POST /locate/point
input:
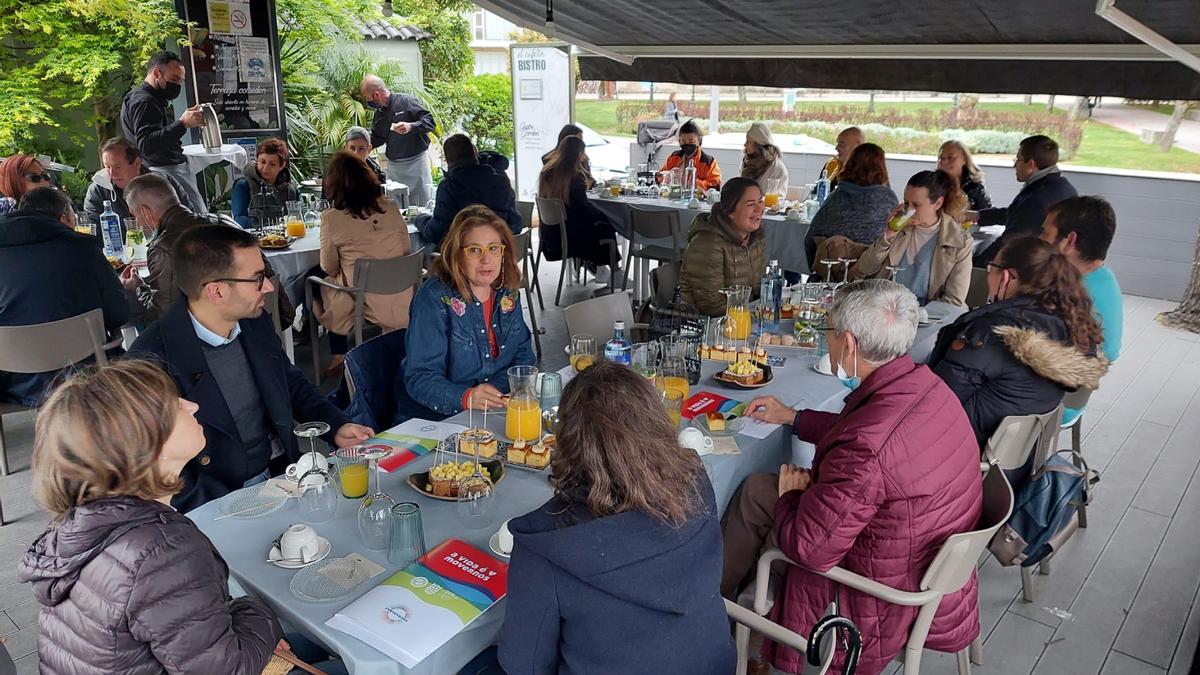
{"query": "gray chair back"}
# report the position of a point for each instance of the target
(551, 212)
(955, 561)
(523, 244)
(655, 224)
(7, 667)
(53, 345)
(595, 317)
(390, 275)
(1018, 436)
(1078, 398)
(663, 280)
(526, 211)
(977, 291)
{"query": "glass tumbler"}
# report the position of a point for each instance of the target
(407, 541)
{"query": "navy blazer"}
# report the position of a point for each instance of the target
(288, 396)
(1024, 216)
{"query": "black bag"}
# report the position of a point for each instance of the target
(1046, 511)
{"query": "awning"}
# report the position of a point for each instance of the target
(1003, 46)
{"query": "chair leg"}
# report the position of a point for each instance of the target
(742, 642)
(537, 337)
(625, 272)
(1027, 584)
(315, 344)
(912, 661)
(964, 662)
(1077, 446)
(562, 275)
(975, 651)
(537, 283)
(3, 451)
(1044, 567)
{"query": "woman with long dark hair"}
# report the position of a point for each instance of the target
(931, 254)
(1036, 340)
(565, 176)
(628, 547)
(362, 223)
(726, 247)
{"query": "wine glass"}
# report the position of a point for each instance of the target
(318, 499)
(893, 270)
(583, 352)
(845, 263)
(476, 493)
(375, 513)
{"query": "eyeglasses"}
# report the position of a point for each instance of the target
(998, 268)
(36, 178)
(493, 251)
(257, 279)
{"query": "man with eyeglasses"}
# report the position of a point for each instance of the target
(226, 358)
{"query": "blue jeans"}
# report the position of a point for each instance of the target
(485, 662)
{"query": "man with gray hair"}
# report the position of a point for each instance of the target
(402, 125)
(896, 472)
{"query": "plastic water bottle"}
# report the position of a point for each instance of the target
(110, 230)
(770, 297)
(618, 349)
(823, 187)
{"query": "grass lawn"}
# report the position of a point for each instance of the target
(1102, 146)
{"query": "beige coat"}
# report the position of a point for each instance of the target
(949, 272)
(345, 239)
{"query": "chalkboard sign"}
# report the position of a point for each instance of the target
(234, 63)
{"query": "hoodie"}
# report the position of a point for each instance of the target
(50, 272)
(715, 258)
(614, 595)
(130, 586)
(1012, 357)
(102, 189)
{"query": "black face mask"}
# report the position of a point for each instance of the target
(172, 90)
(689, 149)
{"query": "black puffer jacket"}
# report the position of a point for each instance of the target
(129, 586)
(1012, 357)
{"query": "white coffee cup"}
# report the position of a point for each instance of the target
(694, 439)
(824, 365)
(307, 462)
(922, 315)
(504, 538)
(299, 543)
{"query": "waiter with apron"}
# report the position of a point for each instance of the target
(403, 124)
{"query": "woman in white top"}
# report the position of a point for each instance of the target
(762, 160)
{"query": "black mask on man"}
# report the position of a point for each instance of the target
(172, 90)
(689, 149)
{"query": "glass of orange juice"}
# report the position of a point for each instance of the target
(673, 400)
(583, 352)
(353, 471)
(523, 420)
(738, 310)
(771, 196)
(673, 375)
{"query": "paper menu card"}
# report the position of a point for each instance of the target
(410, 440)
(706, 401)
(415, 611)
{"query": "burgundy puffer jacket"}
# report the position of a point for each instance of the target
(895, 474)
(130, 587)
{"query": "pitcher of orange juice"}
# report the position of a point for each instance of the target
(523, 420)
(295, 220)
(737, 308)
(771, 198)
(672, 369)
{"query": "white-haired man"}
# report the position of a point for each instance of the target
(402, 126)
(896, 472)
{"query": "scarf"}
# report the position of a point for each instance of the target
(917, 238)
(754, 166)
(1041, 173)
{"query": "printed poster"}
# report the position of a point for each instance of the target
(254, 59)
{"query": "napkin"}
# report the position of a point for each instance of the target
(725, 445)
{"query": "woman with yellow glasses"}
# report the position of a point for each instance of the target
(466, 328)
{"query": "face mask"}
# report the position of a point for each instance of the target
(852, 382)
(374, 106)
(171, 90)
(688, 149)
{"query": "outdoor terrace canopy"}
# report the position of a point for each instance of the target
(997, 46)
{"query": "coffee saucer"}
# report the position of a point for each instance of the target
(275, 557)
(494, 544)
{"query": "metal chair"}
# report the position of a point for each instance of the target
(595, 317)
(796, 193)
(552, 213)
(525, 209)
(977, 291)
(950, 570)
(652, 224)
(818, 663)
(1022, 444)
(383, 277)
(1077, 400)
(47, 347)
(524, 245)
(7, 667)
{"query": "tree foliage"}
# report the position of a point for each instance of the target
(72, 54)
(447, 56)
(480, 107)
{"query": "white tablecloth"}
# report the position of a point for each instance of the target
(199, 157)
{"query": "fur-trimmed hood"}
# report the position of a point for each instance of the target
(1053, 360)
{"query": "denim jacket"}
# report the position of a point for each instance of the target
(447, 347)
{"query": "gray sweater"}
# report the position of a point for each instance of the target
(856, 212)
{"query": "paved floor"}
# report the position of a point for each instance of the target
(1122, 596)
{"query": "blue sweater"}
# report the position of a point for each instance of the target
(621, 594)
(1109, 307)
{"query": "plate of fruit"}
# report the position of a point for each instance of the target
(745, 375)
(441, 481)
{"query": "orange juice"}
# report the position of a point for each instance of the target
(581, 362)
(354, 480)
(771, 200)
(675, 384)
(524, 420)
(740, 316)
(615, 190)
(673, 401)
(295, 228)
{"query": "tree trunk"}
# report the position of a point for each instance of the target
(1028, 99)
(871, 102)
(741, 94)
(1187, 314)
(693, 93)
(652, 92)
(1168, 137)
(1050, 103)
(1077, 106)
